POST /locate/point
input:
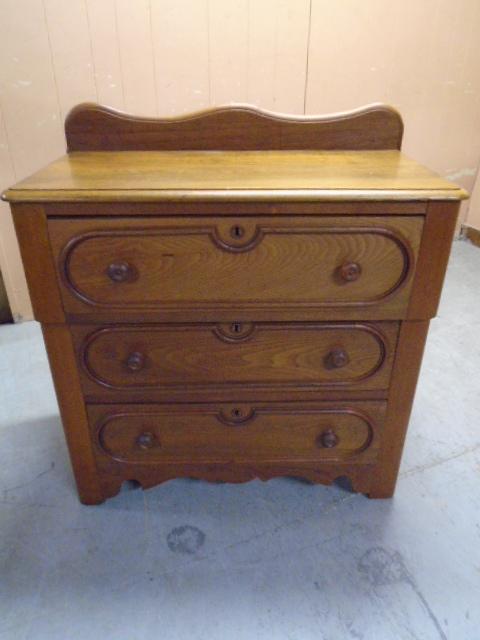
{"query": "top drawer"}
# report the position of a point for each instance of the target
(241, 268)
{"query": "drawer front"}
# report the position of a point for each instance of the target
(235, 356)
(149, 434)
(215, 264)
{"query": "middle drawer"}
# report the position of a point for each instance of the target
(210, 360)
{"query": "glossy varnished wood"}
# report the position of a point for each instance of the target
(235, 294)
(327, 472)
(61, 355)
(205, 267)
(32, 234)
(405, 373)
(239, 358)
(440, 223)
(234, 176)
(239, 127)
(236, 432)
(126, 209)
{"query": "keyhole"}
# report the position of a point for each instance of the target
(236, 327)
(236, 413)
(237, 231)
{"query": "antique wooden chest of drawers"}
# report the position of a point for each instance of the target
(234, 294)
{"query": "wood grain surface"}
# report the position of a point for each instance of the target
(234, 176)
(174, 264)
(411, 344)
(127, 209)
(61, 356)
(150, 434)
(236, 358)
(237, 127)
(439, 230)
(34, 242)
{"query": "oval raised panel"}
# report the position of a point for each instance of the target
(301, 355)
(196, 433)
(273, 264)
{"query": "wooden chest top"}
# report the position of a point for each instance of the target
(234, 175)
(235, 153)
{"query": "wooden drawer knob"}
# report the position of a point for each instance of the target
(350, 271)
(337, 358)
(120, 271)
(135, 361)
(329, 439)
(146, 440)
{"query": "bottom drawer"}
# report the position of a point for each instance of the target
(231, 433)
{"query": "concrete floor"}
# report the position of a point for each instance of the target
(277, 560)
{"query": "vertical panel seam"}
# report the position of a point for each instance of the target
(52, 64)
(309, 32)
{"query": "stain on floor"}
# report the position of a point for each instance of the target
(185, 539)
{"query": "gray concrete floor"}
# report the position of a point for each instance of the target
(276, 560)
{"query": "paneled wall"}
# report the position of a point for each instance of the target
(473, 216)
(163, 57)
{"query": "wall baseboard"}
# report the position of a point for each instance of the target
(470, 233)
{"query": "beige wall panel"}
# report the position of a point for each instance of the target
(443, 128)
(348, 65)
(31, 129)
(277, 54)
(7, 176)
(136, 56)
(28, 95)
(228, 31)
(12, 268)
(173, 56)
(262, 54)
(422, 57)
(67, 24)
(473, 218)
(10, 261)
(102, 22)
(180, 45)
